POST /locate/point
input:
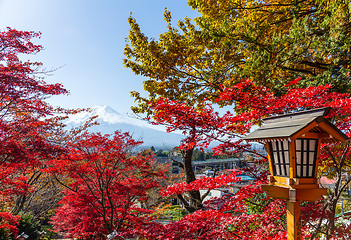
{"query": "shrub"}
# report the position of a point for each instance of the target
(30, 225)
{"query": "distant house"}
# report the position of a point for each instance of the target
(218, 164)
(230, 189)
(245, 180)
(327, 183)
(207, 166)
(219, 192)
(330, 183)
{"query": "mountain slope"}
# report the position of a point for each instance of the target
(110, 120)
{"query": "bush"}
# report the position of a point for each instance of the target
(4, 234)
(176, 212)
(30, 226)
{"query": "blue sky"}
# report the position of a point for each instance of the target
(85, 39)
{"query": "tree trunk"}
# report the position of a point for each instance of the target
(340, 164)
(20, 200)
(194, 202)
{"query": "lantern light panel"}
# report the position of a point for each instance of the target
(306, 155)
(280, 157)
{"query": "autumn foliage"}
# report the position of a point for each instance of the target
(25, 123)
(107, 184)
(256, 58)
(253, 214)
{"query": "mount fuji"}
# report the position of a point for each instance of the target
(110, 120)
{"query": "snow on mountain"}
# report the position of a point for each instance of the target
(106, 114)
(110, 120)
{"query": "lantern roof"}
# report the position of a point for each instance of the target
(300, 124)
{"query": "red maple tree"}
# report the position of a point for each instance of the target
(25, 123)
(106, 182)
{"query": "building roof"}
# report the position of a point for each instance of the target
(296, 124)
(216, 161)
(244, 177)
(327, 181)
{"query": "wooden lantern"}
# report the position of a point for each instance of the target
(293, 149)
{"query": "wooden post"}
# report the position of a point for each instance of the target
(294, 220)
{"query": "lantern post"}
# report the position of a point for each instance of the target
(293, 150)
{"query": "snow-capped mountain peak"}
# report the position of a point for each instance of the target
(105, 114)
(110, 120)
